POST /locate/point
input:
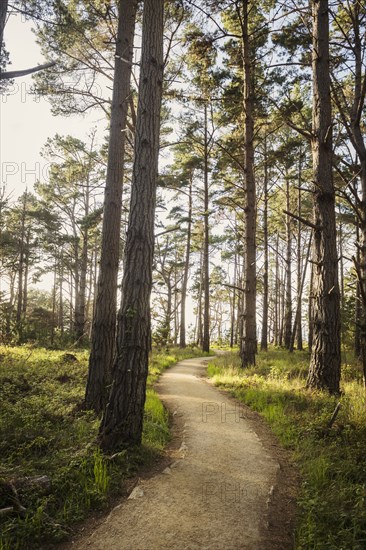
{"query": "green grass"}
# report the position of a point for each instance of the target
(45, 432)
(332, 464)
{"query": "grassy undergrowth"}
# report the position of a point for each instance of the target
(44, 432)
(332, 500)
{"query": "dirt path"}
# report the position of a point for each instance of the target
(219, 489)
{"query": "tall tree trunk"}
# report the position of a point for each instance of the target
(199, 305)
(21, 268)
(358, 307)
(80, 313)
(182, 336)
(206, 257)
(240, 314)
(233, 323)
(249, 343)
(324, 372)
(299, 299)
(288, 294)
(359, 143)
(282, 288)
(311, 309)
(61, 321)
(123, 418)
(104, 321)
(264, 338)
(298, 325)
(3, 12)
(26, 272)
(169, 308)
(54, 296)
(75, 275)
(276, 326)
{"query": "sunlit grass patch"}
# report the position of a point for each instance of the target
(332, 462)
(45, 431)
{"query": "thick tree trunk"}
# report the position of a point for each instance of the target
(123, 418)
(206, 257)
(182, 335)
(324, 372)
(104, 320)
(249, 338)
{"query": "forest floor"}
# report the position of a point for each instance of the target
(225, 482)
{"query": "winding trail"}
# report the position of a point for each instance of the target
(217, 491)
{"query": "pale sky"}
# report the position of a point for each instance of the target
(25, 120)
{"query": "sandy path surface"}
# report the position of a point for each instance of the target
(215, 494)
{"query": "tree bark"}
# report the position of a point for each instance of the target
(123, 418)
(206, 256)
(3, 12)
(249, 338)
(324, 372)
(104, 320)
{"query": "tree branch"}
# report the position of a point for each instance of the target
(16, 74)
(302, 220)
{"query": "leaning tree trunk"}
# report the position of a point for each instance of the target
(249, 338)
(104, 320)
(324, 372)
(123, 418)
